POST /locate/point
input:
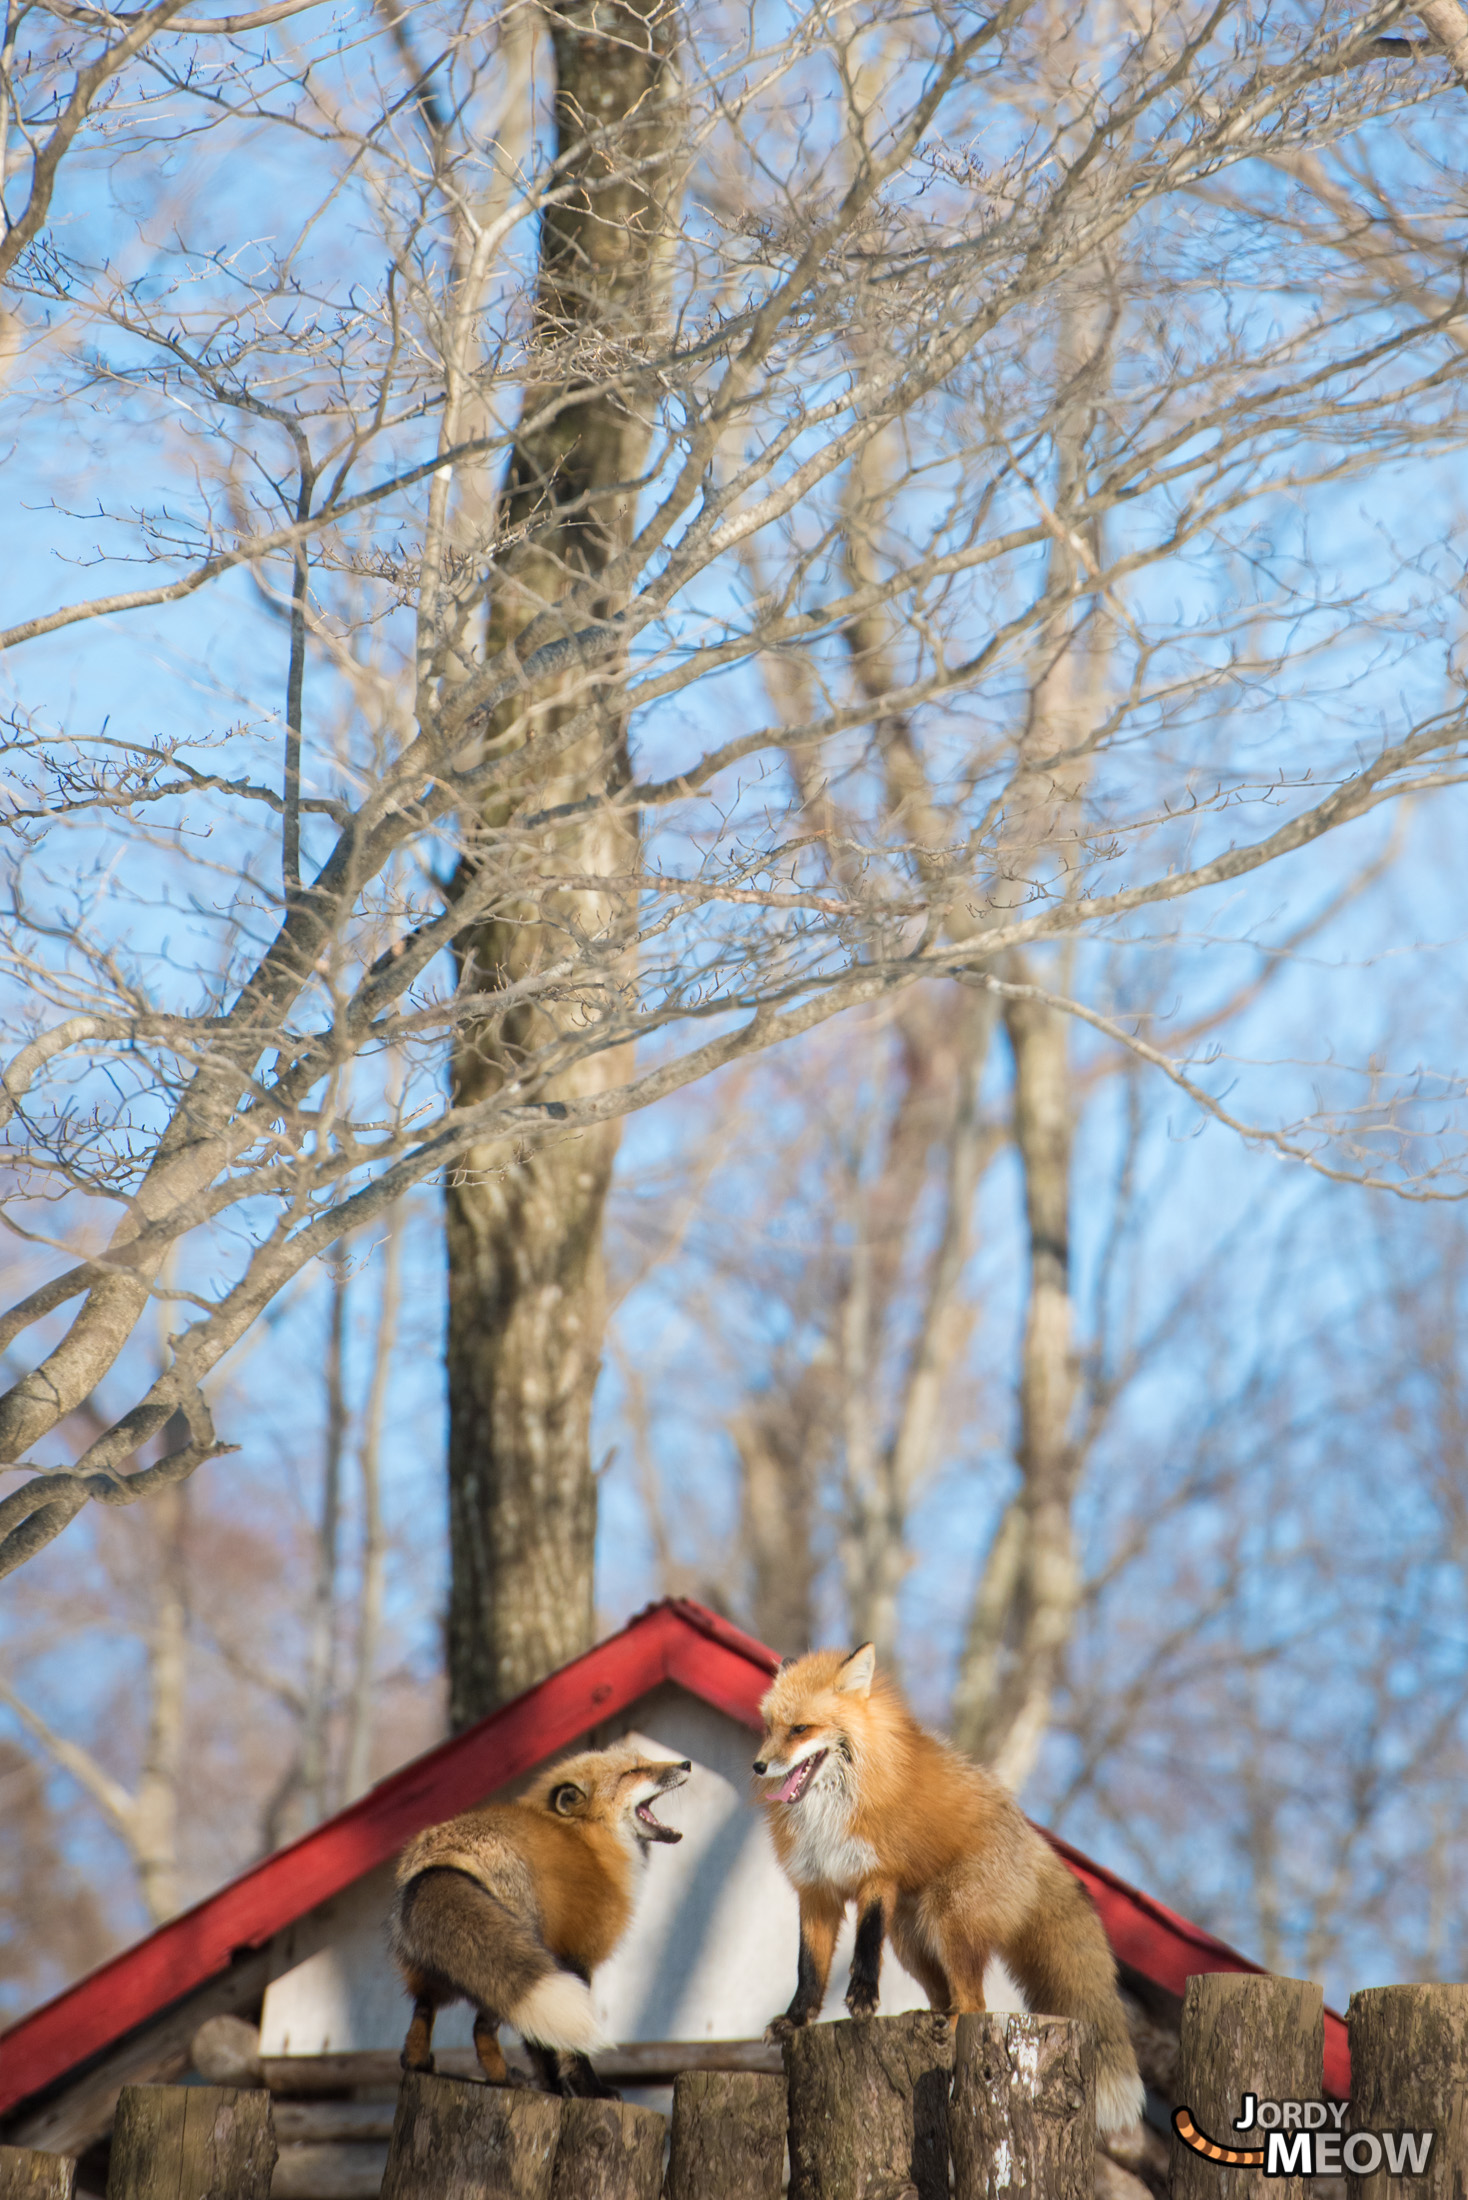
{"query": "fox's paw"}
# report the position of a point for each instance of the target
(422, 2068)
(783, 2028)
(861, 2001)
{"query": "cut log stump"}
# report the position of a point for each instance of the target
(728, 2137)
(1244, 2034)
(869, 2109)
(608, 2151)
(191, 2142)
(1022, 2122)
(1409, 2073)
(27, 2174)
(458, 2141)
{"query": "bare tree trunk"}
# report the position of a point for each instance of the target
(881, 1499)
(358, 1763)
(527, 1294)
(783, 1440)
(1048, 1459)
(321, 1651)
(155, 1806)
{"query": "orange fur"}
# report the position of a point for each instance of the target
(513, 1907)
(935, 1854)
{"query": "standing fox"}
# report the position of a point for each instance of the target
(866, 1806)
(514, 1906)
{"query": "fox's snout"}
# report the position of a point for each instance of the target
(659, 1779)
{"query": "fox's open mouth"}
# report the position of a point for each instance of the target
(654, 1827)
(795, 1783)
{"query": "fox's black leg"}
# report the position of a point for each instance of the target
(865, 1989)
(545, 2062)
(418, 2046)
(581, 2083)
(820, 1922)
(568, 2074)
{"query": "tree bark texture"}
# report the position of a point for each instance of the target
(1031, 1583)
(869, 2109)
(1022, 2121)
(527, 1300)
(460, 2141)
(1409, 2071)
(155, 1809)
(728, 2136)
(1244, 2035)
(782, 1439)
(27, 2174)
(191, 2142)
(608, 2151)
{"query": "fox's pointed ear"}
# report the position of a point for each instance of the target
(854, 1678)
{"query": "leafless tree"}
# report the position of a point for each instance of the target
(547, 425)
(159, 1669)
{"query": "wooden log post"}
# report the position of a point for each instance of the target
(27, 2174)
(1243, 2034)
(869, 2109)
(608, 2151)
(1022, 2121)
(191, 2142)
(1409, 2072)
(728, 2137)
(458, 2141)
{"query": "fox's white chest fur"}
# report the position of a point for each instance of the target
(826, 1850)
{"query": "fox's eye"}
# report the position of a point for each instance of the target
(565, 1798)
(798, 1730)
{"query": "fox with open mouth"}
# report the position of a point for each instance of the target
(866, 1807)
(513, 1907)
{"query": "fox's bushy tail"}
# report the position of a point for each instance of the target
(454, 1942)
(1063, 1961)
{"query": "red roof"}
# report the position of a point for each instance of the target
(676, 1640)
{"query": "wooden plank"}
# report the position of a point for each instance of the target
(350, 2171)
(608, 2150)
(1243, 2035)
(640, 2062)
(323, 2123)
(191, 2142)
(470, 2142)
(869, 2108)
(728, 2136)
(1022, 2120)
(28, 2174)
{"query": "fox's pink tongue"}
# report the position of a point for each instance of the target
(791, 1788)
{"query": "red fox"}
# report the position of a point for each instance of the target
(866, 1806)
(513, 1907)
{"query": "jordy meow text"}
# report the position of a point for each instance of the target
(1306, 2139)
